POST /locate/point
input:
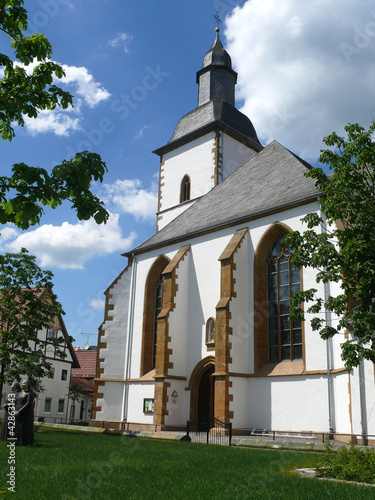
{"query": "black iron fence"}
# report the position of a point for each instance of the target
(209, 430)
(62, 420)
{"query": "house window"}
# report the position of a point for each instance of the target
(51, 333)
(210, 331)
(185, 189)
(52, 372)
(60, 408)
(285, 337)
(64, 374)
(47, 405)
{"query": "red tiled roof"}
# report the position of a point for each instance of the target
(84, 384)
(87, 363)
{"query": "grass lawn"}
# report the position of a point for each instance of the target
(66, 466)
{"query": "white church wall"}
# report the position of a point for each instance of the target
(178, 407)
(288, 403)
(356, 401)
(363, 407)
(111, 403)
(137, 393)
(204, 291)
(172, 213)
(194, 159)
(242, 337)
(115, 329)
(178, 320)
(341, 401)
(239, 405)
(234, 154)
(337, 361)
(369, 377)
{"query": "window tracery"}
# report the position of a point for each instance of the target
(285, 337)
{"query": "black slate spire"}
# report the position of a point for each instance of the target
(215, 108)
(216, 79)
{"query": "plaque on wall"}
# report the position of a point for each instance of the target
(148, 406)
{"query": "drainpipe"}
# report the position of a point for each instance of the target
(362, 401)
(128, 351)
(327, 315)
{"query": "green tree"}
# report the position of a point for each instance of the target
(25, 90)
(339, 244)
(27, 308)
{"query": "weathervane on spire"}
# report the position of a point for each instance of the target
(218, 20)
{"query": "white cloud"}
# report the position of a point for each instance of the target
(97, 304)
(128, 196)
(81, 84)
(121, 40)
(139, 134)
(306, 68)
(7, 233)
(56, 122)
(70, 246)
(91, 91)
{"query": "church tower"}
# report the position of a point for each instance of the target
(209, 143)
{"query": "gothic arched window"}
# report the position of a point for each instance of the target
(185, 189)
(152, 306)
(158, 308)
(285, 337)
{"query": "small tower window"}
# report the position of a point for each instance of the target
(185, 189)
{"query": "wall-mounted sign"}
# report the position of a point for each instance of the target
(148, 406)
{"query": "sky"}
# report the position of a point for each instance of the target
(305, 68)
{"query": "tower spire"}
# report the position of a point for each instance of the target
(216, 79)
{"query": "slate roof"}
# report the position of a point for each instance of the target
(217, 55)
(219, 112)
(271, 180)
(214, 114)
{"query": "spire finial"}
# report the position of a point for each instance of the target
(218, 21)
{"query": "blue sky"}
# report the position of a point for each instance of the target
(306, 68)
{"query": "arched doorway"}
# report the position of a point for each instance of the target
(206, 394)
(201, 386)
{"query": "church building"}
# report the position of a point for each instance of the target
(197, 324)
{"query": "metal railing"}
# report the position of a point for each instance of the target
(62, 420)
(209, 430)
(312, 435)
(213, 431)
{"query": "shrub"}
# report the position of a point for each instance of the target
(349, 463)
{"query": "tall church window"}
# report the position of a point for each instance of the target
(158, 308)
(185, 189)
(152, 307)
(285, 337)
